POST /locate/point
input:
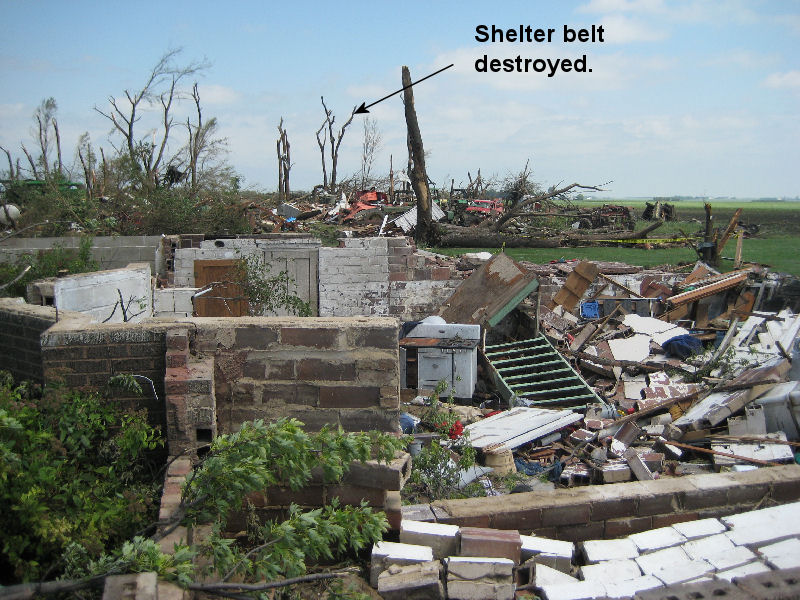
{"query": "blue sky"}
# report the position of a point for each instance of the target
(688, 97)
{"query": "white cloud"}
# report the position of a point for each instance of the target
(620, 29)
(787, 80)
(217, 94)
(742, 58)
(610, 6)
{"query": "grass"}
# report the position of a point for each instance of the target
(777, 244)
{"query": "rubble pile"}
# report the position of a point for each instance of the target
(617, 374)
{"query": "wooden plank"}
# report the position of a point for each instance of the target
(226, 299)
(575, 286)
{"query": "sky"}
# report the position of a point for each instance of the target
(684, 97)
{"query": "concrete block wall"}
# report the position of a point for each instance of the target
(173, 302)
(620, 509)
(97, 294)
(321, 371)
(111, 252)
(21, 326)
(381, 276)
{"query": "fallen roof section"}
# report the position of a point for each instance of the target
(490, 293)
(511, 429)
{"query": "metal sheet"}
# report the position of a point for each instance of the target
(513, 428)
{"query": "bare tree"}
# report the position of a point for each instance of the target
(370, 145)
(13, 172)
(45, 117)
(331, 142)
(204, 151)
(88, 161)
(284, 162)
(161, 89)
(416, 161)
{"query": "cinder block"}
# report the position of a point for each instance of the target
(385, 554)
(533, 546)
(700, 528)
(478, 541)
(681, 572)
(136, 586)
(581, 590)
(760, 527)
(630, 587)
(752, 568)
(783, 555)
(655, 561)
(545, 575)
(609, 571)
(773, 585)
(479, 578)
(596, 551)
(740, 555)
(709, 546)
(443, 539)
(412, 582)
(657, 539)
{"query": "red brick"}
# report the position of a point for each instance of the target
(315, 369)
(254, 369)
(495, 543)
(176, 386)
(578, 533)
(667, 520)
(621, 527)
(522, 519)
(310, 495)
(255, 337)
(177, 340)
(280, 369)
(310, 338)
(349, 397)
(568, 514)
(613, 508)
(786, 491)
(353, 495)
(441, 273)
(398, 276)
(176, 360)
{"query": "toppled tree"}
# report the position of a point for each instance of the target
(424, 232)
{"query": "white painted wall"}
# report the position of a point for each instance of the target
(98, 294)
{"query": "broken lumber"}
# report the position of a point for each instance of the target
(756, 461)
(653, 409)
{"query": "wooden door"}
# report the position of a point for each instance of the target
(225, 299)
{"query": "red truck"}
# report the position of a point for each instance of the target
(486, 207)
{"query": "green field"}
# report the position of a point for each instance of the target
(776, 245)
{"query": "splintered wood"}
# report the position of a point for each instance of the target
(576, 285)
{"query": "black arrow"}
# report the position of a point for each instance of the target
(364, 109)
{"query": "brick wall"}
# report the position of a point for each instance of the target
(620, 509)
(321, 371)
(381, 276)
(85, 355)
(21, 326)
